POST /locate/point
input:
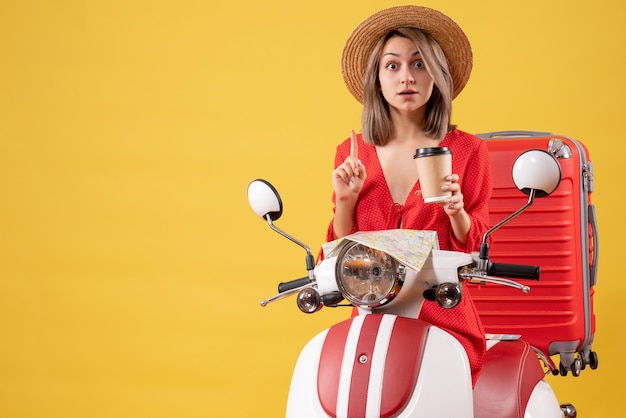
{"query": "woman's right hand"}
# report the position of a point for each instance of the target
(348, 178)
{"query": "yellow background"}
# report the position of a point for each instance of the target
(131, 266)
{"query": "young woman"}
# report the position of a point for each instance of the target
(406, 64)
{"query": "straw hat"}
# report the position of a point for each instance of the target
(364, 37)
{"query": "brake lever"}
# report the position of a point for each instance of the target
(475, 278)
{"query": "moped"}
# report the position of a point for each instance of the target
(384, 361)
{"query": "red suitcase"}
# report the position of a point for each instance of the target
(559, 233)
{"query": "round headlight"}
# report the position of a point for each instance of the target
(368, 277)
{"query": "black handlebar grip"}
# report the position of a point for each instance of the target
(514, 271)
(292, 284)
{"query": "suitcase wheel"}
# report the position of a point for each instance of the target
(593, 360)
(584, 359)
(579, 362)
(575, 367)
(590, 358)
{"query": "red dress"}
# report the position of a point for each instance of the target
(375, 210)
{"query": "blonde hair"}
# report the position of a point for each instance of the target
(377, 126)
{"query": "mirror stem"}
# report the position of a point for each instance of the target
(484, 247)
(310, 261)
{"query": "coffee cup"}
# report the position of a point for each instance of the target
(433, 166)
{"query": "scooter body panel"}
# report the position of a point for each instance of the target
(383, 380)
(543, 403)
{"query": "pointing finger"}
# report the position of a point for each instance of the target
(354, 146)
(354, 151)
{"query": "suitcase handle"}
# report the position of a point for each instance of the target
(512, 134)
(593, 268)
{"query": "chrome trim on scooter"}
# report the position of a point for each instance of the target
(569, 411)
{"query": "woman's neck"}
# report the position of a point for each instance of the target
(408, 126)
(408, 133)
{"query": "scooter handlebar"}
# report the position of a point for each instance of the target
(514, 271)
(293, 284)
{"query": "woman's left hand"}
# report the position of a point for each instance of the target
(454, 204)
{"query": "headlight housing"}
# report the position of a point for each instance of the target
(368, 277)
